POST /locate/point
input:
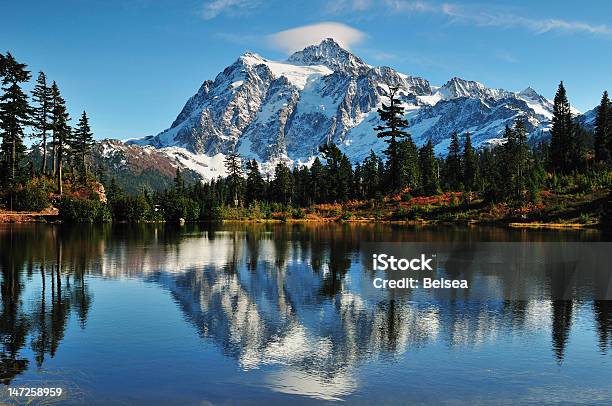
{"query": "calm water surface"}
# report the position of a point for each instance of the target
(277, 314)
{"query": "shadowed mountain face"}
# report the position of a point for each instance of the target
(274, 110)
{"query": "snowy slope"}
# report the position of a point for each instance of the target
(270, 110)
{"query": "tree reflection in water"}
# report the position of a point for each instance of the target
(46, 253)
(291, 295)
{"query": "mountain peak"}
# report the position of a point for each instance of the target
(330, 42)
(329, 53)
(251, 58)
(270, 110)
(530, 92)
(457, 81)
(457, 87)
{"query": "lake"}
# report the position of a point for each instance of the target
(278, 314)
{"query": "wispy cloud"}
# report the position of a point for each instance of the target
(505, 56)
(215, 8)
(300, 37)
(339, 6)
(477, 16)
(509, 20)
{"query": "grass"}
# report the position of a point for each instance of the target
(556, 210)
(566, 208)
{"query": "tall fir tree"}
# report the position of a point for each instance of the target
(179, 182)
(301, 176)
(81, 144)
(506, 165)
(603, 131)
(317, 182)
(114, 192)
(393, 129)
(233, 165)
(357, 187)
(41, 115)
(255, 184)
(14, 117)
(382, 177)
(514, 165)
(523, 159)
(409, 163)
(345, 179)
(371, 176)
(489, 166)
(470, 164)
(430, 182)
(61, 134)
(282, 185)
(561, 133)
(333, 157)
(579, 147)
(453, 163)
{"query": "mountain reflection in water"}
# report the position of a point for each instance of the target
(294, 298)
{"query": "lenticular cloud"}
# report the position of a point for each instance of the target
(299, 38)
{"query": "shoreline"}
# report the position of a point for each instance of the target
(52, 217)
(471, 222)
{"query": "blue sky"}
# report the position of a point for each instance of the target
(132, 64)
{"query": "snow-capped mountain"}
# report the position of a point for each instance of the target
(271, 110)
(587, 120)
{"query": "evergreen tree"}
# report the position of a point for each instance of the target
(41, 115)
(357, 188)
(523, 159)
(506, 164)
(409, 163)
(382, 176)
(345, 179)
(490, 167)
(581, 140)
(114, 191)
(179, 183)
(61, 133)
(561, 133)
(282, 185)
(430, 184)
(301, 180)
(81, 144)
(603, 130)
(537, 176)
(233, 165)
(255, 184)
(14, 116)
(470, 165)
(453, 163)
(333, 157)
(317, 182)
(392, 115)
(371, 178)
(515, 163)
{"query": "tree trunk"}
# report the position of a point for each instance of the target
(43, 165)
(13, 159)
(85, 169)
(54, 156)
(59, 177)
